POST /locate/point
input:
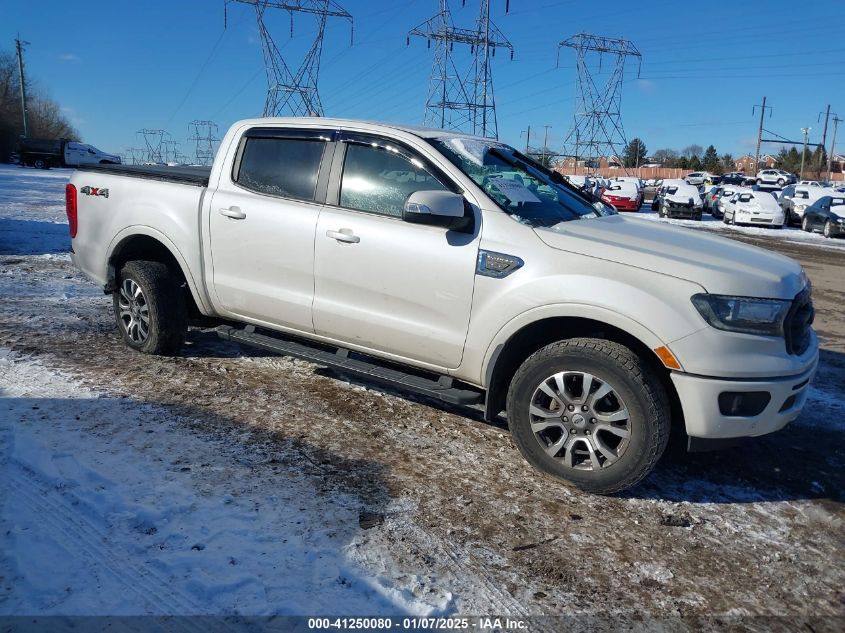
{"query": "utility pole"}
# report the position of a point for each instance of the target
(806, 132)
(760, 131)
(836, 121)
(545, 143)
(527, 138)
(824, 134)
(19, 46)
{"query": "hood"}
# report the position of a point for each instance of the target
(719, 265)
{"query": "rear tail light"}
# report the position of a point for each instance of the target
(70, 208)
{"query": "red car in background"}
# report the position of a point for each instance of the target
(623, 196)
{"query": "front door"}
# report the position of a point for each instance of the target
(262, 221)
(380, 282)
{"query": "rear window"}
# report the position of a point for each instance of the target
(281, 167)
(671, 190)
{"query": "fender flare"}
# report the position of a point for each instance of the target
(139, 229)
(573, 310)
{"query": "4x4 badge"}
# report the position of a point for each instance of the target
(94, 191)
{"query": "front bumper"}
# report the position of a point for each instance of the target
(682, 211)
(625, 205)
(699, 398)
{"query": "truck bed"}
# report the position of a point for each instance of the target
(197, 176)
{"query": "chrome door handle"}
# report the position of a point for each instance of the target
(343, 235)
(233, 212)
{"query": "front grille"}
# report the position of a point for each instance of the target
(797, 326)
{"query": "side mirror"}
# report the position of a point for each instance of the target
(438, 208)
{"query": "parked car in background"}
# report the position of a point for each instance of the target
(812, 183)
(775, 178)
(802, 197)
(827, 214)
(757, 208)
(45, 153)
(733, 178)
(699, 178)
(726, 192)
(623, 195)
(677, 199)
(711, 199)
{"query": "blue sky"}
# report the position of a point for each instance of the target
(119, 66)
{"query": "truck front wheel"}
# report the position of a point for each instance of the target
(590, 412)
(149, 306)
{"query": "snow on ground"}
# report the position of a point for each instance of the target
(144, 526)
(789, 235)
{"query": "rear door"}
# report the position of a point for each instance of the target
(261, 224)
(382, 283)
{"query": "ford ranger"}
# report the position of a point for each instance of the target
(457, 267)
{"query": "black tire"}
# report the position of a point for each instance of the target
(826, 231)
(639, 389)
(40, 163)
(805, 224)
(781, 182)
(164, 300)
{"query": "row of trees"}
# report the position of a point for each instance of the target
(695, 158)
(692, 157)
(44, 116)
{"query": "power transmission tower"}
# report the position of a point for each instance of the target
(462, 100)
(153, 143)
(20, 45)
(204, 136)
(291, 92)
(171, 151)
(597, 121)
(132, 155)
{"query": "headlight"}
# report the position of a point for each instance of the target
(748, 315)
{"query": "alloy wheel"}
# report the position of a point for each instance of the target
(134, 312)
(580, 420)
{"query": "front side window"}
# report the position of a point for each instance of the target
(281, 167)
(378, 178)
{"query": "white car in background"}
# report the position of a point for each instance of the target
(810, 183)
(775, 177)
(698, 178)
(725, 195)
(677, 199)
(755, 208)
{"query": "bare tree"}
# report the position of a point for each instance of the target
(45, 117)
(691, 150)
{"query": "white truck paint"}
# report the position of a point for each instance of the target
(532, 264)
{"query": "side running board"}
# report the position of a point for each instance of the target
(441, 388)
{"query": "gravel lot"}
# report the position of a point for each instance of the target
(450, 516)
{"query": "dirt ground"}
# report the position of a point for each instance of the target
(755, 530)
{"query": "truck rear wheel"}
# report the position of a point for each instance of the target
(589, 412)
(149, 307)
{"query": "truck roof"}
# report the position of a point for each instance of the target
(375, 126)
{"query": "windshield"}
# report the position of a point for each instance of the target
(522, 189)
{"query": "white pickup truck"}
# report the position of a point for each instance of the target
(456, 267)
